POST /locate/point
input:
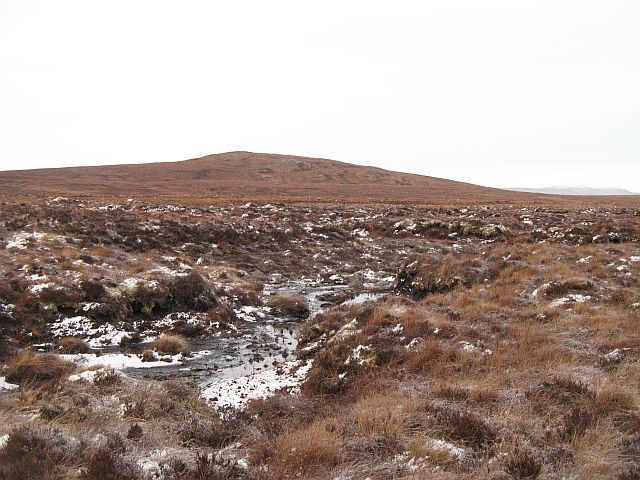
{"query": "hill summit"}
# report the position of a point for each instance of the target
(247, 176)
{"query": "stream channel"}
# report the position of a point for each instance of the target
(257, 345)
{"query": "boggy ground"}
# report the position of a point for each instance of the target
(504, 344)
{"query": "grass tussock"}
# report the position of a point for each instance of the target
(289, 305)
(172, 344)
(304, 452)
(31, 367)
(73, 345)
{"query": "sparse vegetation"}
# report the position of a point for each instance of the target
(30, 367)
(500, 350)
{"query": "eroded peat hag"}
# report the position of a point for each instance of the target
(318, 341)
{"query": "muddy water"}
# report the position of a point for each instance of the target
(257, 346)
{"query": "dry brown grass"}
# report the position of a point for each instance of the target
(73, 345)
(30, 367)
(481, 366)
(172, 344)
(68, 253)
(289, 305)
(598, 455)
(305, 452)
(533, 384)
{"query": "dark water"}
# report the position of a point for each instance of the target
(256, 346)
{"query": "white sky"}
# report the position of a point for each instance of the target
(501, 93)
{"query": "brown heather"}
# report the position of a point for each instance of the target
(495, 355)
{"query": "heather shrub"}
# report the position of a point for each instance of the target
(523, 465)
(465, 427)
(50, 411)
(34, 453)
(134, 432)
(93, 290)
(107, 462)
(207, 432)
(421, 276)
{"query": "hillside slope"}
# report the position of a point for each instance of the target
(251, 176)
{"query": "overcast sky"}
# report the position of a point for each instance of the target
(500, 93)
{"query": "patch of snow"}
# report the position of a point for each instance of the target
(36, 277)
(79, 326)
(357, 356)
(148, 466)
(90, 375)
(5, 386)
(249, 313)
(614, 356)
(172, 273)
(172, 318)
(237, 392)
(7, 308)
(534, 294)
(38, 287)
(313, 345)
(121, 361)
(406, 461)
(571, 298)
(130, 283)
(20, 241)
(89, 306)
(444, 446)
(471, 348)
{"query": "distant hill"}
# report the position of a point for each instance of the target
(246, 176)
(576, 190)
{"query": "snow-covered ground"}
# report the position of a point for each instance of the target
(90, 375)
(83, 327)
(237, 392)
(4, 385)
(571, 298)
(121, 361)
